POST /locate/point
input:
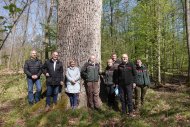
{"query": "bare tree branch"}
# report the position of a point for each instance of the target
(14, 23)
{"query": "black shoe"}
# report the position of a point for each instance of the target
(31, 103)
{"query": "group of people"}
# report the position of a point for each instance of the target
(119, 75)
(131, 79)
(53, 71)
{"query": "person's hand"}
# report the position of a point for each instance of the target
(73, 82)
(34, 76)
(47, 74)
(134, 85)
(62, 83)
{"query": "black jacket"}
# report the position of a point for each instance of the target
(55, 76)
(126, 73)
(90, 72)
(33, 67)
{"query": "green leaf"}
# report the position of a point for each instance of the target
(1, 17)
(6, 7)
(18, 10)
(12, 8)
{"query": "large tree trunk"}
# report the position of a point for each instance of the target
(79, 33)
(187, 11)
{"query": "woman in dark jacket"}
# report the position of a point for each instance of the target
(142, 83)
(109, 82)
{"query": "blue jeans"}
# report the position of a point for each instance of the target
(31, 83)
(73, 99)
(52, 90)
(126, 90)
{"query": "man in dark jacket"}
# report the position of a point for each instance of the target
(53, 70)
(142, 81)
(116, 61)
(126, 80)
(90, 73)
(32, 69)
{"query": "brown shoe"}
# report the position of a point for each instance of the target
(47, 109)
(54, 105)
(131, 115)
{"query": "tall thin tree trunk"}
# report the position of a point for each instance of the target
(159, 43)
(111, 25)
(79, 33)
(187, 12)
(47, 25)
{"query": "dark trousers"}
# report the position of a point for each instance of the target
(111, 94)
(126, 93)
(73, 99)
(52, 90)
(140, 91)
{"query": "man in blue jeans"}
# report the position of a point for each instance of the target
(53, 70)
(33, 70)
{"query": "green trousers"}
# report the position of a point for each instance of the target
(140, 91)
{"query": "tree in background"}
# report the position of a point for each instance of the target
(187, 21)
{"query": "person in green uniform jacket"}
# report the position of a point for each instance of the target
(142, 83)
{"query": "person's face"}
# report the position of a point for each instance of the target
(114, 57)
(72, 64)
(92, 59)
(33, 54)
(55, 56)
(125, 58)
(139, 63)
(110, 63)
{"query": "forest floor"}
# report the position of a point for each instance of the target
(167, 106)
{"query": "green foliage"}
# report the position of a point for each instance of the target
(136, 32)
(12, 8)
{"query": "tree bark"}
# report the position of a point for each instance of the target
(79, 33)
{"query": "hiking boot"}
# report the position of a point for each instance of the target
(47, 109)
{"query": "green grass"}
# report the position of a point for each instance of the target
(161, 109)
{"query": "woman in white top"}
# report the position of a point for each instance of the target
(73, 83)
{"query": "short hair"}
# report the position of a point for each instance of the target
(109, 60)
(113, 54)
(54, 52)
(71, 61)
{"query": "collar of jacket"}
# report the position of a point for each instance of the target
(141, 67)
(72, 68)
(53, 61)
(124, 63)
(110, 68)
(32, 59)
(92, 63)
